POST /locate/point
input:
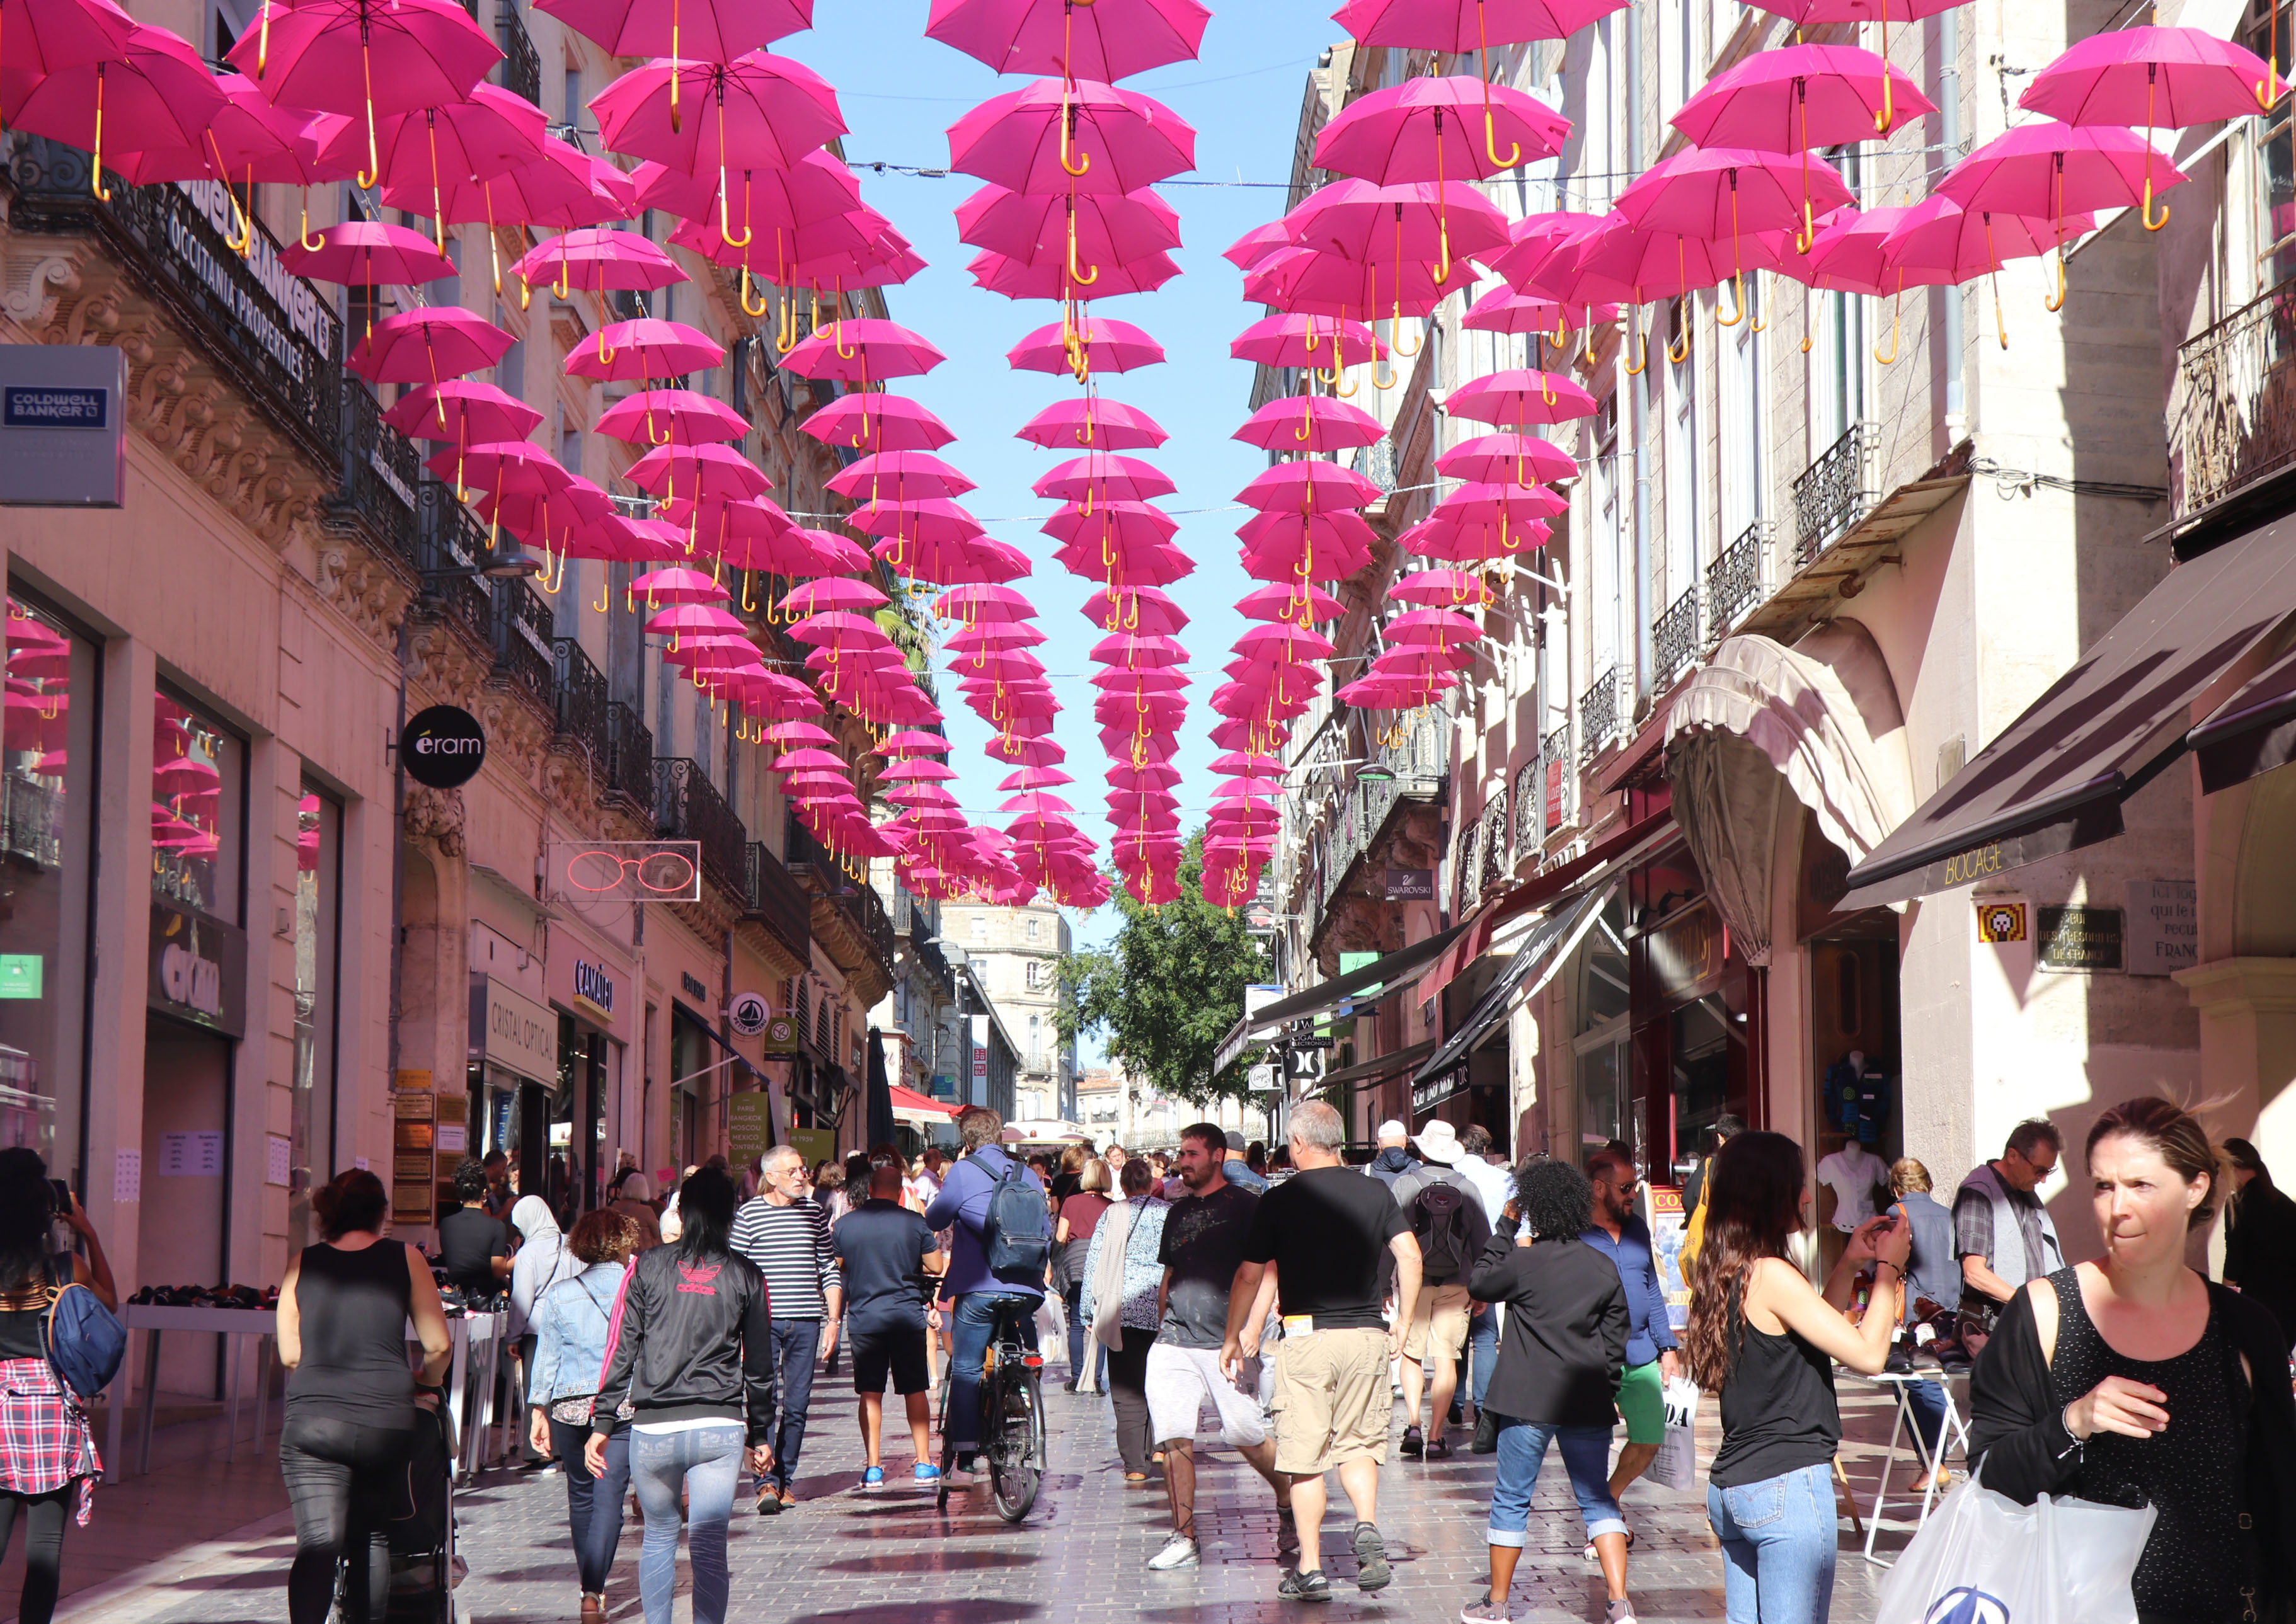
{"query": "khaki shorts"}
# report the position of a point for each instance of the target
(1446, 1312)
(1332, 1403)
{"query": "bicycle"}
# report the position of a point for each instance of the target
(1011, 1436)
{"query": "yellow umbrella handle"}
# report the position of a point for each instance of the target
(2152, 71)
(96, 168)
(1067, 133)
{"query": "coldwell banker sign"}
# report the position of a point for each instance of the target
(61, 444)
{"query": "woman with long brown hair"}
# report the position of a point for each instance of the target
(1762, 1339)
(2132, 1381)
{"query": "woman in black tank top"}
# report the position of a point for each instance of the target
(2132, 1381)
(1764, 1340)
(343, 1310)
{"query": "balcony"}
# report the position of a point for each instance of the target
(1834, 492)
(1736, 579)
(1675, 641)
(630, 759)
(687, 807)
(522, 65)
(935, 963)
(450, 537)
(382, 471)
(778, 902)
(2232, 408)
(524, 651)
(1554, 780)
(1405, 768)
(1530, 827)
(1376, 463)
(849, 918)
(1600, 723)
(580, 690)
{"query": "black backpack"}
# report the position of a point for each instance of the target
(1438, 1217)
(1016, 1239)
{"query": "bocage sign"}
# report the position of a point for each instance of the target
(443, 747)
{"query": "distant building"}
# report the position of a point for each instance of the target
(1015, 953)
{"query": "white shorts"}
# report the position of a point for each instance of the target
(1179, 1381)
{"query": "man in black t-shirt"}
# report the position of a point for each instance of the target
(886, 1252)
(473, 1247)
(1316, 1245)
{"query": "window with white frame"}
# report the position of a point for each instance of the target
(2274, 185)
(1684, 490)
(1740, 421)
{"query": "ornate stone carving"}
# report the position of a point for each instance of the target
(434, 817)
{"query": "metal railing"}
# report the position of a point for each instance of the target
(580, 690)
(2231, 418)
(1675, 643)
(523, 651)
(453, 538)
(1834, 492)
(1555, 770)
(776, 898)
(1376, 463)
(1497, 858)
(629, 758)
(935, 963)
(1412, 763)
(382, 472)
(1598, 715)
(1529, 829)
(687, 807)
(1736, 579)
(28, 822)
(520, 70)
(854, 895)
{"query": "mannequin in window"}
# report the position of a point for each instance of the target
(1852, 1187)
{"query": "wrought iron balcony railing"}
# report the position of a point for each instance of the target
(522, 65)
(776, 898)
(1675, 643)
(1529, 829)
(523, 651)
(936, 966)
(1554, 780)
(1834, 492)
(382, 472)
(451, 537)
(2232, 407)
(580, 691)
(849, 891)
(1599, 717)
(687, 807)
(1736, 579)
(629, 758)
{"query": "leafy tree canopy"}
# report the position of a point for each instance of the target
(1167, 989)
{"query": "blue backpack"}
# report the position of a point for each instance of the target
(1016, 1239)
(85, 1342)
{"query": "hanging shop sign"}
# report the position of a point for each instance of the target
(443, 747)
(1410, 885)
(748, 1014)
(512, 1032)
(62, 440)
(781, 1035)
(1436, 1089)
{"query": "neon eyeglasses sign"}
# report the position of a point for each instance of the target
(625, 870)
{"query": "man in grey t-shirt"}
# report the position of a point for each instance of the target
(1203, 1248)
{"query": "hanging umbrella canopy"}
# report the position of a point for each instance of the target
(817, 597)
(817, 187)
(1303, 604)
(645, 347)
(775, 249)
(1518, 396)
(1310, 488)
(461, 411)
(976, 605)
(1053, 138)
(1850, 256)
(928, 519)
(1501, 498)
(427, 345)
(864, 348)
(491, 133)
(757, 111)
(1307, 282)
(1409, 220)
(1441, 626)
(362, 253)
(2051, 171)
(1114, 523)
(878, 423)
(1538, 241)
(1504, 310)
(1473, 540)
(2157, 78)
(1151, 565)
(1442, 589)
(1460, 26)
(898, 475)
(1936, 241)
(1291, 644)
(840, 628)
(912, 741)
(564, 188)
(1147, 611)
(1520, 459)
(1248, 250)
(678, 585)
(1089, 421)
(1104, 476)
(1098, 229)
(1634, 267)
(704, 472)
(1721, 192)
(1300, 422)
(1304, 340)
(657, 417)
(1798, 97)
(1133, 652)
(1338, 531)
(976, 639)
(1055, 278)
(711, 30)
(955, 562)
(1449, 128)
(1107, 346)
(246, 141)
(1095, 41)
(38, 38)
(598, 257)
(151, 92)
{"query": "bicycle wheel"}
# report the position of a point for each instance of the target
(1017, 1466)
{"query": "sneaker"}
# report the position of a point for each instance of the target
(873, 1478)
(927, 1476)
(788, 1496)
(1287, 1538)
(1487, 1434)
(1438, 1448)
(1485, 1611)
(1620, 1613)
(769, 1504)
(961, 1477)
(1180, 1552)
(1371, 1571)
(1414, 1444)
(1309, 1587)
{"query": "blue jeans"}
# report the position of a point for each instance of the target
(1925, 1400)
(976, 1317)
(593, 1505)
(796, 1341)
(1079, 1335)
(705, 1461)
(1778, 1545)
(1482, 1352)
(1522, 1450)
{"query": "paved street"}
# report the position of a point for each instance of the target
(843, 1556)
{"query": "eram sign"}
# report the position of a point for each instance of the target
(443, 747)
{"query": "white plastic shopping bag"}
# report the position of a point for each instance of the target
(1983, 1559)
(1677, 1463)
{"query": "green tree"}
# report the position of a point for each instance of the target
(1167, 989)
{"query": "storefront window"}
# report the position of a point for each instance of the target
(318, 893)
(1602, 1029)
(46, 816)
(198, 785)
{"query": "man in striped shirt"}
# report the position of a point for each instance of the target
(787, 1237)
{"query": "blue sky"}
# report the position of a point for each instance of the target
(900, 91)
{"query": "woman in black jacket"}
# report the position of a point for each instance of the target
(1557, 1379)
(2259, 1257)
(690, 1369)
(2133, 1380)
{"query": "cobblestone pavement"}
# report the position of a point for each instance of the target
(843, 1557)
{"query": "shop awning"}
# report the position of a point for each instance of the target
(1377, 1070)
(914, 1107)
(2055, 778)
(2252, 732)
(1369, 977)
(1551, 941)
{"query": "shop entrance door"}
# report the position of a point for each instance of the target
(1855, 1053)
(180, 1227)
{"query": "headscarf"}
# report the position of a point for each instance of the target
(542, 1262)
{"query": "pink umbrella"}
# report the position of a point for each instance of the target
(1410, 220)
(1054, 137)
(1279, 546)
(1082, 233)
(878, 422)
(1303, 603)
(698, 473)
(1104, 476)
(2051, 171)
(1633, 267)
(1305, 281)
(361, 253)
(367, 57)
(1936, 241)
(462, 411)
(1518, 398)
(1300, 422)
(655, 417)
(1310, 487)
(1135, 653)
(490, 133)
(948, 562)
(1088, 420)
(1094, 343)
(898, 475)
(977, 605)
(817, 187)
(1112, 524)
(932, 519)
(646, 348)
(1542, 241)
(1441, 588)
(1504, 310)
(248, 140)
(1721, 193)
(1798, 97)
(815, 596)
(1438, 129)
(1466, 25)
(1472, 541)
(1500, 499)
(1147, 611)
(1803, 14)
(597, 258)
(757, 111)
(154, 89)
(711, 30)
(1054, 278)
(1304, 341)
(677, 585)
(565, 188)
(1093, 41)
(1518, 459)
(861, 349)
(44, 37)
(2158, 77)
(1151, 565)
(425, 345)
(1246, 253)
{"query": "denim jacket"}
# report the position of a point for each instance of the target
(571, 1318)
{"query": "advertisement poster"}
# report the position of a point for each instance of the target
(1665, 1227)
